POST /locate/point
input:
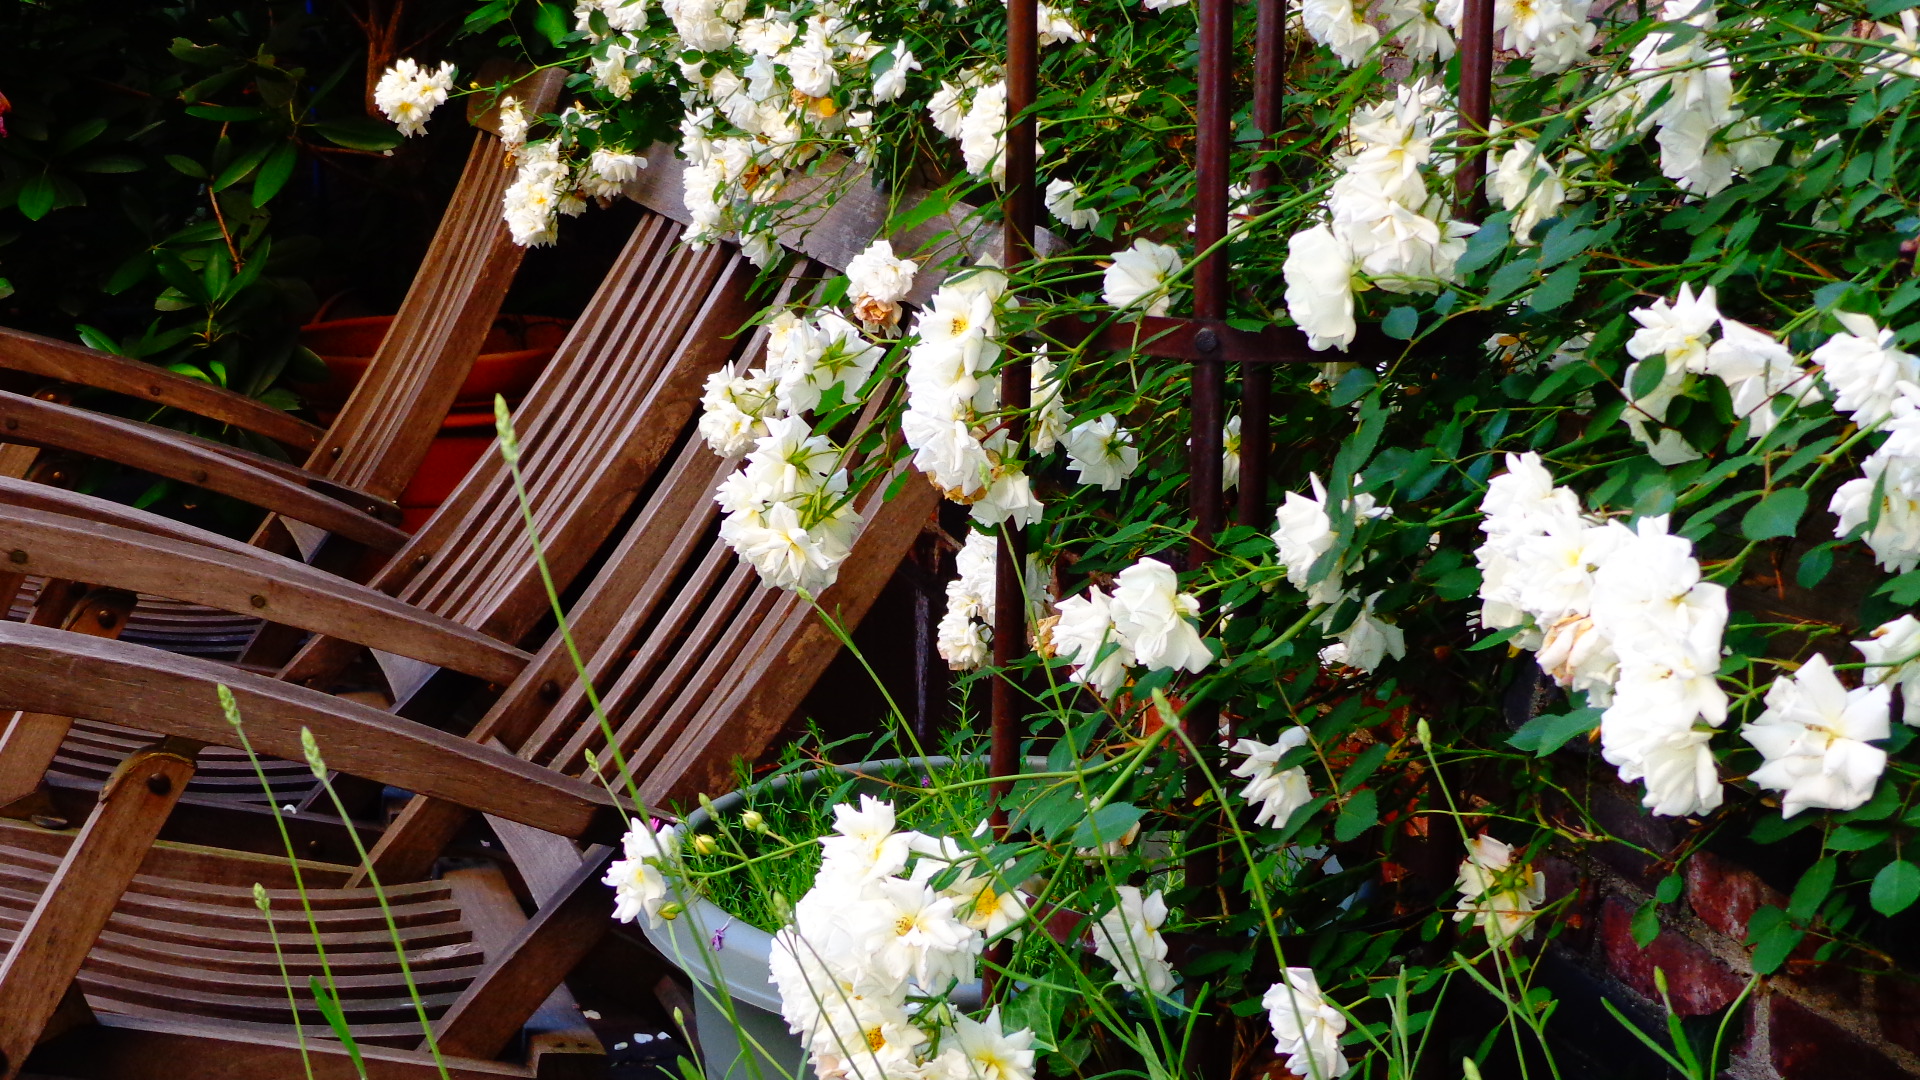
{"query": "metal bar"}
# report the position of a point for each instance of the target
(1256, 380)
(1476, 107)
(1209, 390)
(1022, 213)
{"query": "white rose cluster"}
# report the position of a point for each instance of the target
(1815, 735)
(1306, 1027)
(1127, 935)
(1496, 895)
(872, 933)
(1555, 34)
(788, 510)
(1146, 621)
(1704, 139)
(1619, 613)
(965, 634)
(1760, 374)
(1383, 222)
(1277, 792)
(1529, 186)
(1304, 534)
(1878, 386)
(408, 94)
(952, 398)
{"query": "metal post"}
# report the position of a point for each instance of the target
(1022, 213)
(1476, 107)
(1214, 143)
(1256, 380)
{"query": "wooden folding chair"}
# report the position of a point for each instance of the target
(594, 427)
(353, 471)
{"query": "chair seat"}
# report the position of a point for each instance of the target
(188, 951)
(93, 749)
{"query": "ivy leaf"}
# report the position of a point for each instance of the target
(1400, 323)
(1895, 887)
(1361, 811)
(1776, 515)
(1545, 734)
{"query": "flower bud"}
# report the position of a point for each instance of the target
(753, 821)
(259, 891)
(1423, 731)
(670, 910)
(312, 750)
(704, 844)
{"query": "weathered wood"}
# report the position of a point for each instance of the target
(518, 978)
(127, 684)
(81, 366)
(259, 582)
(49, 424)
(32, 740)
(78, 901)
(150, 1048)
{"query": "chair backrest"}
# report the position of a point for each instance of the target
(382, 433)
(593, 431)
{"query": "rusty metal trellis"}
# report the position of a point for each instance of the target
(1205, 341)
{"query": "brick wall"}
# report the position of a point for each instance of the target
(1807, 1022)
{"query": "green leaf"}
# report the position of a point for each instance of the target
(1359, 815)
(1508, 279)
(1815, 563)
(1545, 734)
(111, 163)
(1484, 245)
(273, 174)
(36, 197)
(239, 167)
(1855, 838)
(1669, 888)
(1558, 288)
(1813, 889)
(1491, 640)
(1647, 375)
(1904, 590)
(1107, 824)
(1774, 947)
(551, 21)
(1895, 887)
(187, 166)
(1401, 323)
(227, 114)
(337, 1020)
(1776, 515)
(1646, 923)
(359, 133)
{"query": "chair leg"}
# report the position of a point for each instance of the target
(518, 978)
(39, 971)
(31, 740)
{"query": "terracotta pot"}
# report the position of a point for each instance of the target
(512, 357)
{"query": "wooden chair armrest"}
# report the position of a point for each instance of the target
(167, 453)
(248, 581)
(32, 354)
(65, 674)
(27, 495)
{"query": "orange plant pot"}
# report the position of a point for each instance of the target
(512, 357)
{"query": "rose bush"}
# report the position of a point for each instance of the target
(1632, 437)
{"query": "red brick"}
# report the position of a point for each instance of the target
(1808, 1046)
(1898, 1001)
(1697, 981)
(1726, 895)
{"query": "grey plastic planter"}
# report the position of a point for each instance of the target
(738, 953)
